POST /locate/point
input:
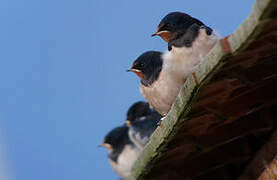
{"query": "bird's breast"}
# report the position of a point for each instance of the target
(184, 59)
(162, 93)
(125, 161)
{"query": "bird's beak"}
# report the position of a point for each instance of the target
(101, 145)
(137, 71)
(158, 33)
(107, 146)
(155, 34)
(134, 70)
(104, 145)
(165, 35)
(128, 123)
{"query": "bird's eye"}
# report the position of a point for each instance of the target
(165, 27)
(142, 64)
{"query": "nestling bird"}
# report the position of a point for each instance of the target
(122, 152)
(160, 83)
(142, 122)
(189, 41)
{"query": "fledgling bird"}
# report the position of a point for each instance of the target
(160, 82)
(122, 151)
(142, 122)
(189, 41)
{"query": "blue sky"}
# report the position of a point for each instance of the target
(63, 80)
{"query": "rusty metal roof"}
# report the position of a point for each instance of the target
(224, 118)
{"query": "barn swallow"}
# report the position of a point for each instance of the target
(122, 152)
(181, 30)
(189, 41)
(142, 122)
(159, 78)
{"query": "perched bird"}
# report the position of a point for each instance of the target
(122, 152)
(189, 41)
(142, 122)
(160, 83)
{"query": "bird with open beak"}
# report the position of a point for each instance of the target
(142, 121)
(122, 152)
(160, 82)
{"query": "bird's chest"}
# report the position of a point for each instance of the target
(125, 161)
(162, 93)
(186, 58)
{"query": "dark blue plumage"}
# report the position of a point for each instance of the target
(142, 122)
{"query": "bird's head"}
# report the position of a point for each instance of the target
(175, 24)
(147, 67)
(115, 138)
(136, 111)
